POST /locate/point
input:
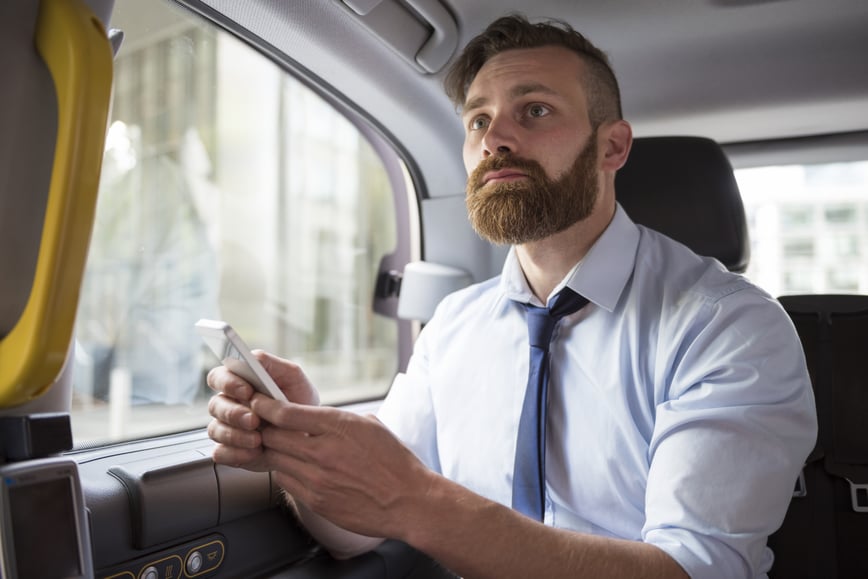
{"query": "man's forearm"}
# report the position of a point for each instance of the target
(477, 538)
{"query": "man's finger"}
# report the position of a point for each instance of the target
(231, 412)
(314, 420)
(222, 433)
(289, 377)
(221, 380)
(233, 456)
(283, 440)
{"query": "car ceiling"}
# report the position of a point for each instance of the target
(733, 70)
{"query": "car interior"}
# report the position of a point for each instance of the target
(294, 168)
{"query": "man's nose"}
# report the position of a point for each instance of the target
(501, 137)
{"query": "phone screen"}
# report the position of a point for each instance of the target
(233, 353)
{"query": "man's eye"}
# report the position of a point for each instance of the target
(478, 123)
(537, 111)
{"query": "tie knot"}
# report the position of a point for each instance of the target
(541, 322)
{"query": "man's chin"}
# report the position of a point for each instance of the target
(519, 235)
(498, 237)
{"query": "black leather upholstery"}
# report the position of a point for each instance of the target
(684, 187)
(826, 527)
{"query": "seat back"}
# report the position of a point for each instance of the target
(684, 187)
(826, 528)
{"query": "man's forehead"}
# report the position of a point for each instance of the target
(524, 71)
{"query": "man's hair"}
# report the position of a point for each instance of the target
(514, 31)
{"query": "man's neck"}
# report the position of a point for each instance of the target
(546, 262)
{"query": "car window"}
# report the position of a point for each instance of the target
(808, 227)
(229, 190)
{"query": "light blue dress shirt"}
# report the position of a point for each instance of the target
(680, 408)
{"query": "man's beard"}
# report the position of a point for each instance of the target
(536, 207)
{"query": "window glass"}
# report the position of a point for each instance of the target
(229, 191)
(794, 217)
(808, 227)
(798, 248)
(842, 214)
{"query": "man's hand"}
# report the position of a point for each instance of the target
(235, 428)
(347, 468)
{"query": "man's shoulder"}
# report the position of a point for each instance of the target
(684, 273)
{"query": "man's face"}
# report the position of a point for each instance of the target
(529, 147)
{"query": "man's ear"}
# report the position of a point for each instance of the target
(617, 138)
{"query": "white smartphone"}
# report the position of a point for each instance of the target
(231, 350)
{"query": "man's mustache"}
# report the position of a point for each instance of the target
(505, 161)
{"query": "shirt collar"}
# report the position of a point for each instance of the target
(601, 276)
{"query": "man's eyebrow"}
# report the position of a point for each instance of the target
(473, 104)
(517, 91)
(523, 89)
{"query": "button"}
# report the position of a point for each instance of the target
(212, 555)
(170, 567)
(194, 563)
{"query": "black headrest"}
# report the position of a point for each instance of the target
(684, 187)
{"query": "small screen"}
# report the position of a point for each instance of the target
(44, 529)
(232, 352)
(220, 346)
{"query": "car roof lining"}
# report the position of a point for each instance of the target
(817, 85)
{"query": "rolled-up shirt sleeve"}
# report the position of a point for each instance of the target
(730, 438)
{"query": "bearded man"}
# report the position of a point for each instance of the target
(675, 402)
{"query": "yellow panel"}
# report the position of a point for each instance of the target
(74, 45)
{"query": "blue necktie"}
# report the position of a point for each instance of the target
(528, 482)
